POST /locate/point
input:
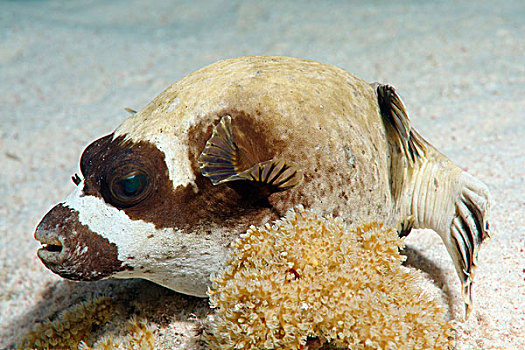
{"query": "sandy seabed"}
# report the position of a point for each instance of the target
(68, 69)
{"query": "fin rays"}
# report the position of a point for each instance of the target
(277, 173)
(394, 111)
(223, 161)
(220, 158)
(469, 228)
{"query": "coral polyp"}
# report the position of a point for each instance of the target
(307, 277)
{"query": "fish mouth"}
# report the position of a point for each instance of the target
(52, 251)
(52, 248)
(72, 250)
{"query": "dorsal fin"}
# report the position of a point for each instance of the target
(223, 161)
(394, 112)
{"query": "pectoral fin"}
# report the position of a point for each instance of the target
(221, 158)
(279, 174)
(223, 161)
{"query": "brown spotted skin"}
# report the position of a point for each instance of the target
(72, 262)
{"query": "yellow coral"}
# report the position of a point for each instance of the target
(136, 334)
(310, 277)
(71, 326)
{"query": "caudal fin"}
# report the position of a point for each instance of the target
(443, 197)
(468, 229)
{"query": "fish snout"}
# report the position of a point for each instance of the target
(50, 232)
(72, 250)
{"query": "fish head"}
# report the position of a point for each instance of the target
(152, 205)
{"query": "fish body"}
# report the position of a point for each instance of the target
(238, 143)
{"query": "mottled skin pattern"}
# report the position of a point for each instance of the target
(351, 140)
(332, 129)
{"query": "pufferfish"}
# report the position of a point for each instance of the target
(238, 143)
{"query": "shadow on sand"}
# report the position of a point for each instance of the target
(134, 297)
(418, 261)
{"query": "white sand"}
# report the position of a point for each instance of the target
(67, 70)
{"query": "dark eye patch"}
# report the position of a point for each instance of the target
(117, 171)
(153, 198)
(96, 151)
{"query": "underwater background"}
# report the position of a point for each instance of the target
(69, 68)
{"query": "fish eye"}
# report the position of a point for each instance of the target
(130, 189)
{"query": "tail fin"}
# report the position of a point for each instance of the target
(444, 198)
(468, 229)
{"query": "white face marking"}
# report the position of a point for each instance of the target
(171, 140)
(176, 157)
(178, 260)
